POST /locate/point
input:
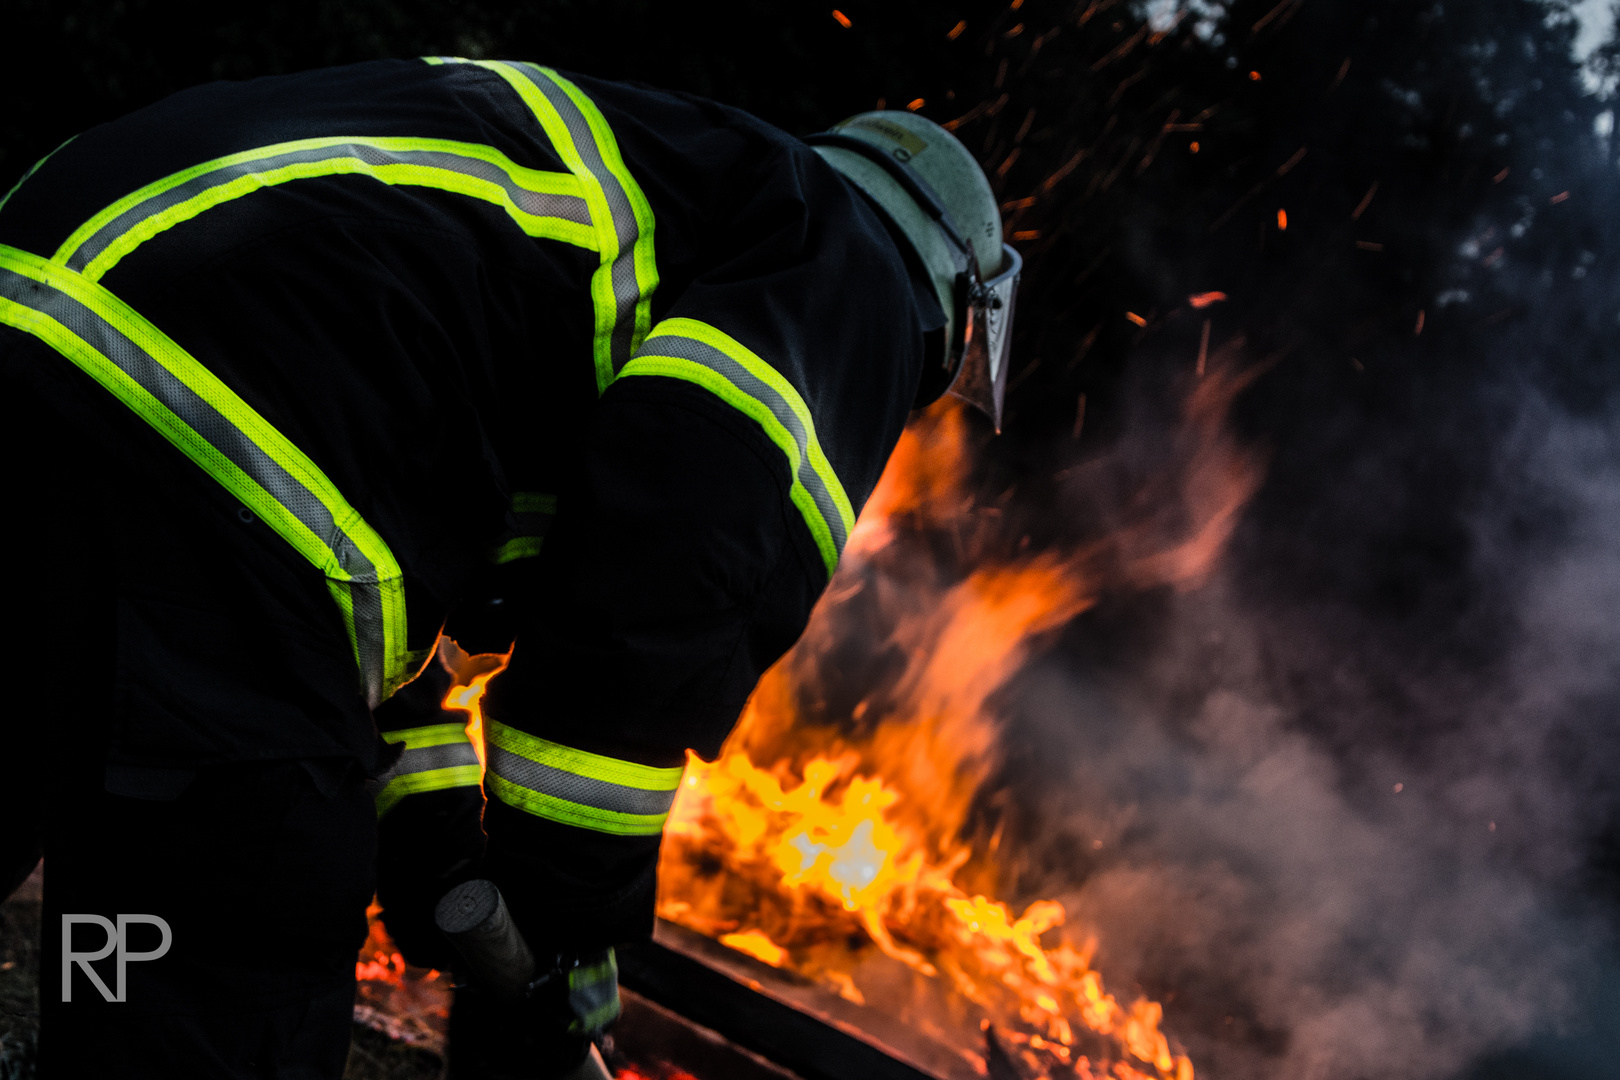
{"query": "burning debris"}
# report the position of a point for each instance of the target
(820, 848)
(810, 844)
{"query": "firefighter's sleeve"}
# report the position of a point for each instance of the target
(718, 484)
(673, 577)
(429, 806)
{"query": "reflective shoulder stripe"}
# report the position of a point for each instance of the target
(698, 353)
(544, 204)
(576, 787)
(623, 284)
(206, 420)
(436, 757)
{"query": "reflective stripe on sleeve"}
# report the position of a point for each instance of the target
(436, 757)
(518, 547)
(593, 993)
(544, 204)
(206, 420)
(528, 521)
(698, 353)
(623, 284)
(576, 787)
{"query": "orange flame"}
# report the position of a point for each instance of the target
(472, 674)
(802, 844)
(407, 1002)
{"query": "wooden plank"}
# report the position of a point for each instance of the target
(782, 1018)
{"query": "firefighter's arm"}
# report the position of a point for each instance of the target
(671, 579)
(429, 805)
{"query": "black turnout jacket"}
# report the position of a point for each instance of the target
(608, 370)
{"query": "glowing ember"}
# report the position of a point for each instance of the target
(407, 1003)
(757, 945)
(632, 1072)
(808, 846)
(829, 836)
(814, 848)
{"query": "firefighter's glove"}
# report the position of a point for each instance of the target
(586, 987)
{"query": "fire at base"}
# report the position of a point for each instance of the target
(808, 847)
(853, 841)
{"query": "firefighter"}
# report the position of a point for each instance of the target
(303, 375)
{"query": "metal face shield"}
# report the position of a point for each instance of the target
(982, 379)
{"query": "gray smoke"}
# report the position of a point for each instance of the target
(1335, 858)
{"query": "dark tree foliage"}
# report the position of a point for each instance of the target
(1449, 243)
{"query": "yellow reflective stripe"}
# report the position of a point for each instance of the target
(699, 353)
(567, 812)
(200, 381)
(469, 169)
(622, 307)
(533, 502)
(593, 994)
(431, 780)
(450, 761)
(206, 420)
(630, 774)
(519, 547)
(428, 735)
(576, 787)
(645, 263)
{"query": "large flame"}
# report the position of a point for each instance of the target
(808, 845)
(811, 846)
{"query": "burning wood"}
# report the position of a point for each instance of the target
(842, 855)
(813, 847)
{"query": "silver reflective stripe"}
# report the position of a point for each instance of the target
(233, 444)
(179, 398)
(685, 348)
(626, 290)
(427, 758)
(567, 207)
(584, 790)
(370, 639)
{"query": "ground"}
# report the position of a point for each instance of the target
(372, 1055)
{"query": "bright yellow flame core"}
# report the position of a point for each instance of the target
(854, 833)
(828, 837)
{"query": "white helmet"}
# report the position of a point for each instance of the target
(934, 190)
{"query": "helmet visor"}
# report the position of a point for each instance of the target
(996, 310)
(982, 379)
